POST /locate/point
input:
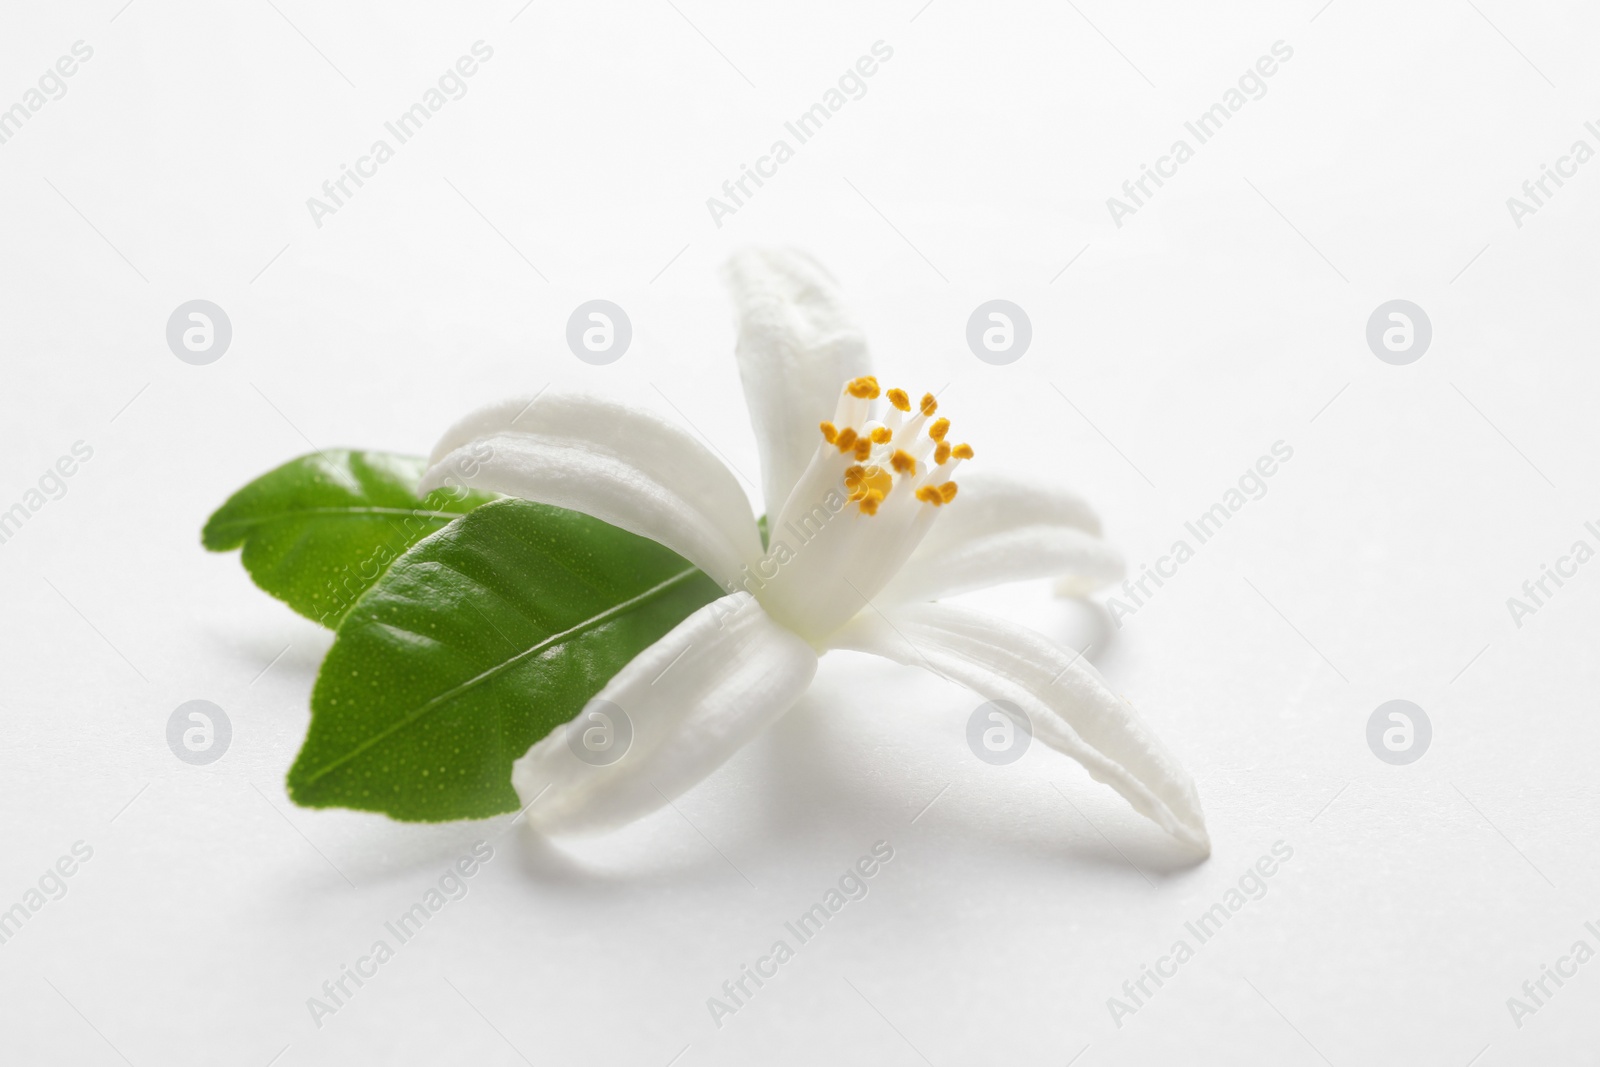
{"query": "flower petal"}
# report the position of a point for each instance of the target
(1069, 706)
(1006, 529)
(796, 349)
(621, 464)
(692, 699)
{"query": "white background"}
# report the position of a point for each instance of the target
(1227, 314)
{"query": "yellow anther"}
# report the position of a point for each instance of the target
(962, 451)
(830, 432)
(863, 447)
(941, 453)
(929, 494)
(948, 491)
(869, 504)
(882, 435)
(899, 399)
(863, 388)
(929, 405)
(903, 462)
(939, 428)
(865, 482)
(846, 439)
(868, 477)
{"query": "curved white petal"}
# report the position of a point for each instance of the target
(1069, 706)
(621, 464)
(1006, 529)
(796, 349)
(692, 699)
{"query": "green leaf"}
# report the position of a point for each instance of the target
(472, 646)
(319, 530)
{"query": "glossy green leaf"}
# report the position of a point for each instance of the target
(472, 646)
(319, 530)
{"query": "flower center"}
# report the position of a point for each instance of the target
(872, 491)
(893, 447)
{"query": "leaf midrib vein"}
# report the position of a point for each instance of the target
(443, 698)
(354, 510)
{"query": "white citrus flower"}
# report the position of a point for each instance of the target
(867, 531)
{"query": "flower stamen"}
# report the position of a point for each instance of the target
(887, 452)
(868, 486)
